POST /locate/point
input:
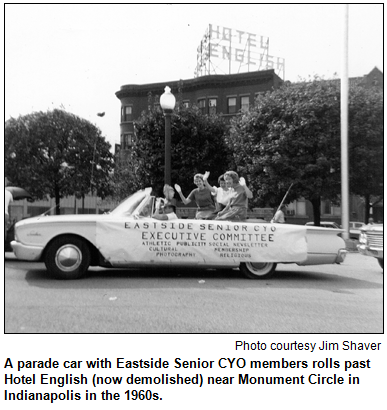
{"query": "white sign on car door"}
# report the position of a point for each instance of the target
(148, 241)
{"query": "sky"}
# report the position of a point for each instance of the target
(77, 57)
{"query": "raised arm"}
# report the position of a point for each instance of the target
(249, 194)
(182, 197)
(205, 177)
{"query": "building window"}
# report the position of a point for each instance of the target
(212, 105)
(127, 140)
(202, 105)
(231, 105)
(245, 103)
(126, 113)
(186, 103)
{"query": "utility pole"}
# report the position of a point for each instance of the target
(344, 131)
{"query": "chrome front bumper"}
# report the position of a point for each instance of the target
(26, 253)
(371, 251)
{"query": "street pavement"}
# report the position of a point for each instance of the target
(346, 298)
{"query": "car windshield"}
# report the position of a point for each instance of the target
(146, 208)
(130, 204)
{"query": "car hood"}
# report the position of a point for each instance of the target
(373, 228)
(43, 219)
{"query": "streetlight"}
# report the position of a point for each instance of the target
(167, 102)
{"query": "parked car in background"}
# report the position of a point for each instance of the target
(129, 237)
(325, 224)
(354, 229)
(371, 242)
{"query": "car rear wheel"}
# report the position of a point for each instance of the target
(67, 257)
(256, 270)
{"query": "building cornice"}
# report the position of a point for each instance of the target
(213, 81)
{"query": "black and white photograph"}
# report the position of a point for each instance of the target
(202, 182)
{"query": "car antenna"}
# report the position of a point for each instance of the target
(283, 199)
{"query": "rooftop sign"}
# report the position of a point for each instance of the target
(224, 50)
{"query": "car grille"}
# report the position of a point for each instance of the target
(375, 239)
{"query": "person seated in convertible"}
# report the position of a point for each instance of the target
(168, 213)
(236, 209)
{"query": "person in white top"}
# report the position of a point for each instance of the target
(169, 213)
(222, 194)
(279, 216)
(8, 198)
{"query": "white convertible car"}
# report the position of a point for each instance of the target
(128, 236)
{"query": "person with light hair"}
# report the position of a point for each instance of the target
(236, 209)
(169, 194)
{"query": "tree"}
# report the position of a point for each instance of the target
(291, 135)
(197, 145)
(123, 180)
(57, 154)
(366, 136)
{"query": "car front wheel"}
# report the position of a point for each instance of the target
(67, 257)
(257, 270)
(381, 263)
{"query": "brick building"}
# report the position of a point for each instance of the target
(222, 94)
(227, 95)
